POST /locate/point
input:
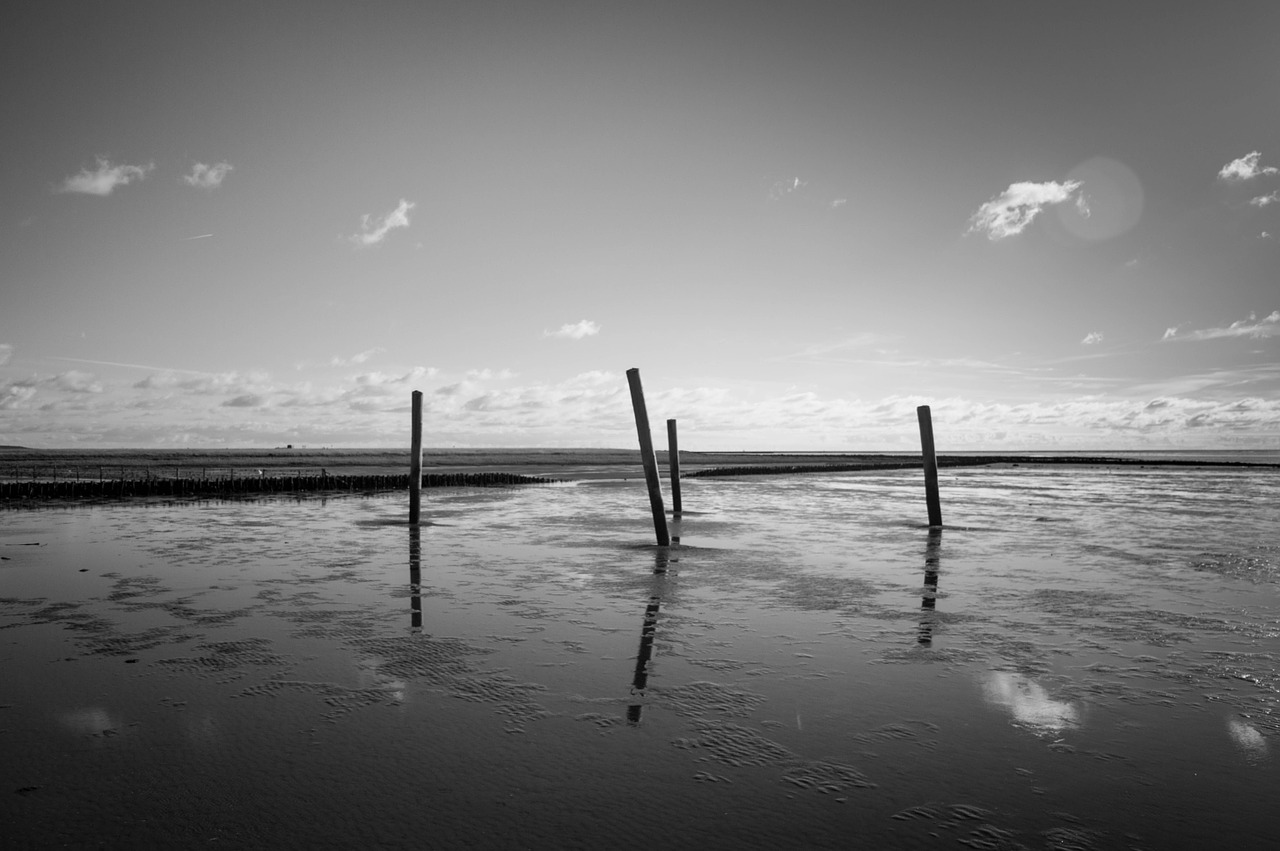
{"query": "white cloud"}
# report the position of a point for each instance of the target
(208, 176)
(104, 179)
(1170, 333)
(1266, 200)
(1268, 326)
(374, 231)
(6, 352)
(593, 409)
(1245, 168)
(18, 393)
(1091, 338)
(1009, 214)
(585, 328)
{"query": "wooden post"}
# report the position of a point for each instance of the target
(648, 458)
(673, 459)
(930, 465)
(415, 460)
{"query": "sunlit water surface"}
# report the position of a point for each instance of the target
(1083, 658)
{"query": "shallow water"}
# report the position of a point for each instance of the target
(1082, 658)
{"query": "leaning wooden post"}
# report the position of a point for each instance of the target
(648, 458)
(415, 460)
(673, 458)
(930, 465)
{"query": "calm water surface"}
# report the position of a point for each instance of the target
(1081, 658)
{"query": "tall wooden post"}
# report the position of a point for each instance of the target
(673, 458)
(415, 460)
(930, 465)
(648, 458)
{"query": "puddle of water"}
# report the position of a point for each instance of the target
(528, 670)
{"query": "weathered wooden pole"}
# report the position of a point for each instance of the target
(673, 458)
(648, 458)
(930, 465)
(415, 460)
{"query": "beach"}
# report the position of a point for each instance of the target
(1082, 656)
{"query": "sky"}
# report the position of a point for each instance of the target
(259, 224)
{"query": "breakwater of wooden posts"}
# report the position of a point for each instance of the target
(233, 485)
(784, 469)
(962, 461)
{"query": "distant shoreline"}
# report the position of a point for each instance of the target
(116, 464)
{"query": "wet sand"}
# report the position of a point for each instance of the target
(1089, 659)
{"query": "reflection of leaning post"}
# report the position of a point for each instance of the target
(930, 597)
(641, 678)
(415, 576)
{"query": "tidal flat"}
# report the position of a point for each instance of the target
(1083, 658)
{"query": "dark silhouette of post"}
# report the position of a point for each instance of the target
(930, 465)
(929, 597)
(640, 679)
(673, 458)
(648, 458)
(415, 577)
(415, 460)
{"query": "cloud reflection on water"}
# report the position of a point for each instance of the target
(1248, 739)
(1029, 703)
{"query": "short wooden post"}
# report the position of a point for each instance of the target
(673, 459)
(648, 458)
(930, 465)
(415, 460)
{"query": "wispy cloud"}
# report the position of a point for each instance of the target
(585, 328)
(357, 358)
(163, 369)
(104, 179)
(208, 176)
(1266, 200)
(832, 349)
(1245, 168)
(6, 352)
(1091, 338)
(1268, 326)
(374, 231)
(490, 374)
(1009, 213)
(790, 186)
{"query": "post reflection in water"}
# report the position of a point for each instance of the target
(930, 597)
(662, 560)
(415, 576)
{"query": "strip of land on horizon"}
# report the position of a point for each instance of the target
(25, 463)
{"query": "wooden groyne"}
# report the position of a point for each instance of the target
(221, 486)
(967, 461)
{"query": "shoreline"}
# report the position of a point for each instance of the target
(62, 476)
